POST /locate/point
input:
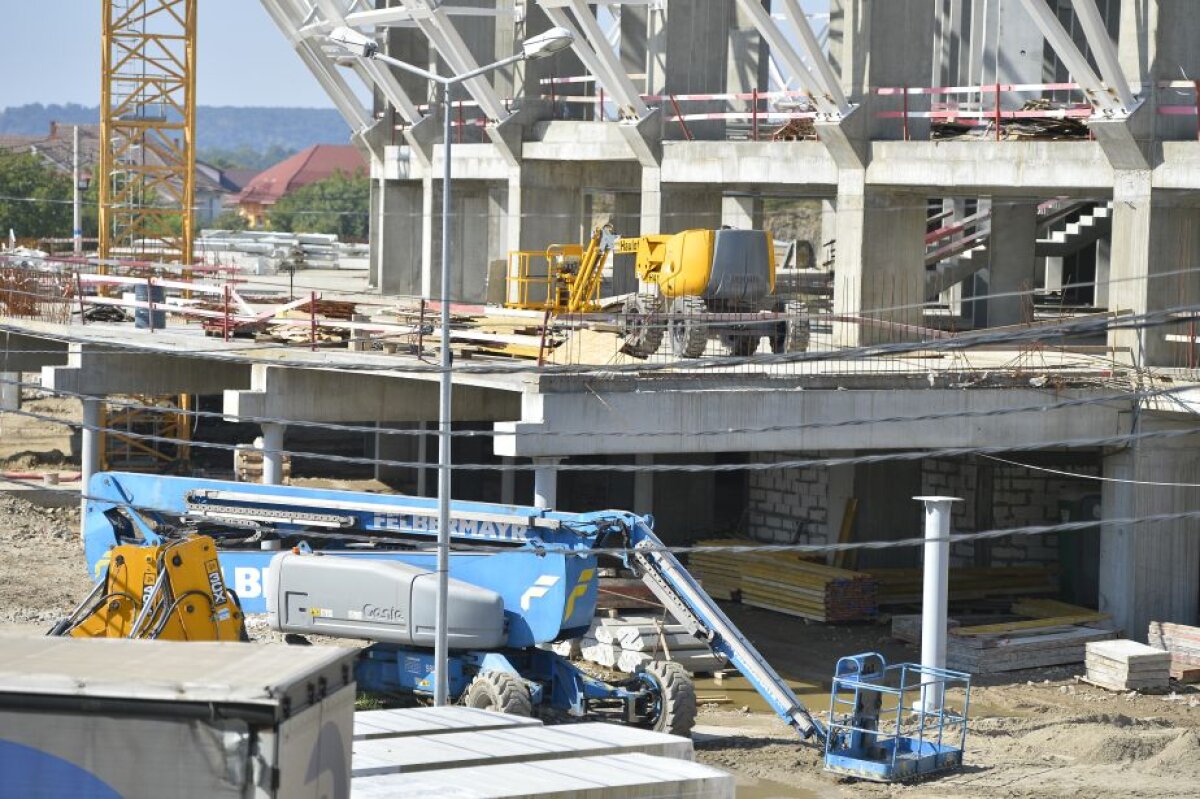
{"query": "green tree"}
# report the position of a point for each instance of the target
(338, 204)
(228, 220)
(35, 199)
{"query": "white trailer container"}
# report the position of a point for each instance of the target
(116, 718)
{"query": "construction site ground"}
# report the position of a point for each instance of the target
(1032, 734)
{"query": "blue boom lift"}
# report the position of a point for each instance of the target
(521, 577)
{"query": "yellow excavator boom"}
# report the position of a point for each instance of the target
(172, 592)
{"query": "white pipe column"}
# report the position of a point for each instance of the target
(937, 578)
(272, 453)
(545, 482)
(89, 456)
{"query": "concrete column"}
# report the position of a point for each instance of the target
(643, 486)
(1151, 572)
(508, 482)
(472, 242)
(1012, 262)
(875, 44)
(397, 257)
(742, 211)
(272, 438)
(1103, 273)
(10, 391)
(1155, 242)
(545, 482)
(89, 455)
(880, 261)
(1053, 271)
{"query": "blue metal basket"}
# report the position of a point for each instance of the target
(891, 723)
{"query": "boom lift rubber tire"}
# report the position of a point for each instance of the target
(689, 335)
(499, 691)
(793, 334)
(676, 698)
(643, 335)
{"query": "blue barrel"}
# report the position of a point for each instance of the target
(141, 316)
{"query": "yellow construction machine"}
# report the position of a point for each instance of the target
(174, 592)
(695, 284)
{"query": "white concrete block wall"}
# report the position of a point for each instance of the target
(789, 506)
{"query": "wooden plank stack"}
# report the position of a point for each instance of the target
(904, 586)
(625, 643)
(995, 653)
(1124, 665)
(1183, 642)
(786, 583)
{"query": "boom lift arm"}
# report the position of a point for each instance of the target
(544, 566)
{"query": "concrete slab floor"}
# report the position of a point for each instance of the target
(511, 745)
(627, 776)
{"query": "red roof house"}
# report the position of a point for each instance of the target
(308, 166)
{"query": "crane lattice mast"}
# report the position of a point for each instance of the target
(148, 130)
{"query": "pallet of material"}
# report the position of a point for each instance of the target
(996, 653)
(787, 583)
(1183, 642)
(904, 586)
(626, 643)
(1123, 665)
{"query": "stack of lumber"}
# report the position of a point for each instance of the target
(1052, 634)
(1128, 666)
(904, 586)
(786, 583)
(1183, 643)
(625, 643)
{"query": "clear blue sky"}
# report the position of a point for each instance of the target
(50, 53)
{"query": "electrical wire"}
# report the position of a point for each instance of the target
(1099, 478)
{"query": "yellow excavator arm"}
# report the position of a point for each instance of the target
(172, 592)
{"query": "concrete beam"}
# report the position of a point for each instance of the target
(99, 371)
(30, 354)
(679, 420)
(328, 396)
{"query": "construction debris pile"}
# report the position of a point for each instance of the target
(625, 643)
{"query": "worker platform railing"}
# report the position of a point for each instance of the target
(890, 723)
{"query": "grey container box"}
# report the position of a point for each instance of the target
(117, 718)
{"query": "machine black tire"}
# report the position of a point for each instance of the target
(676, 703)
(500, 691)
(689, 335)
(643, 335)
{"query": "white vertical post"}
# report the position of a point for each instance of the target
(937, 578)
(89, 456)
(272, 453)
(545, 482)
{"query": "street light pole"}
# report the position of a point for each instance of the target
(77, 206)
(540, 46)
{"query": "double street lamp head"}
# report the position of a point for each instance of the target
(354, 42)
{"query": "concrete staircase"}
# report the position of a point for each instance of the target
(960, 248)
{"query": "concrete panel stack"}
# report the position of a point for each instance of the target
(1128, 666)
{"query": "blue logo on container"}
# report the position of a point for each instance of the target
(33, 774)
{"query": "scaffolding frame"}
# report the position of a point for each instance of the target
(148, 130)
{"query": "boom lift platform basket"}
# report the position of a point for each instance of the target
(891, 723)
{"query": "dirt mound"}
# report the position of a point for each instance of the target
(1097, 741)
(42, 572)
(1180, 756)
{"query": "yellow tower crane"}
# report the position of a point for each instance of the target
(148, 130)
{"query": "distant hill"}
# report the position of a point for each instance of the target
(218, 128)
